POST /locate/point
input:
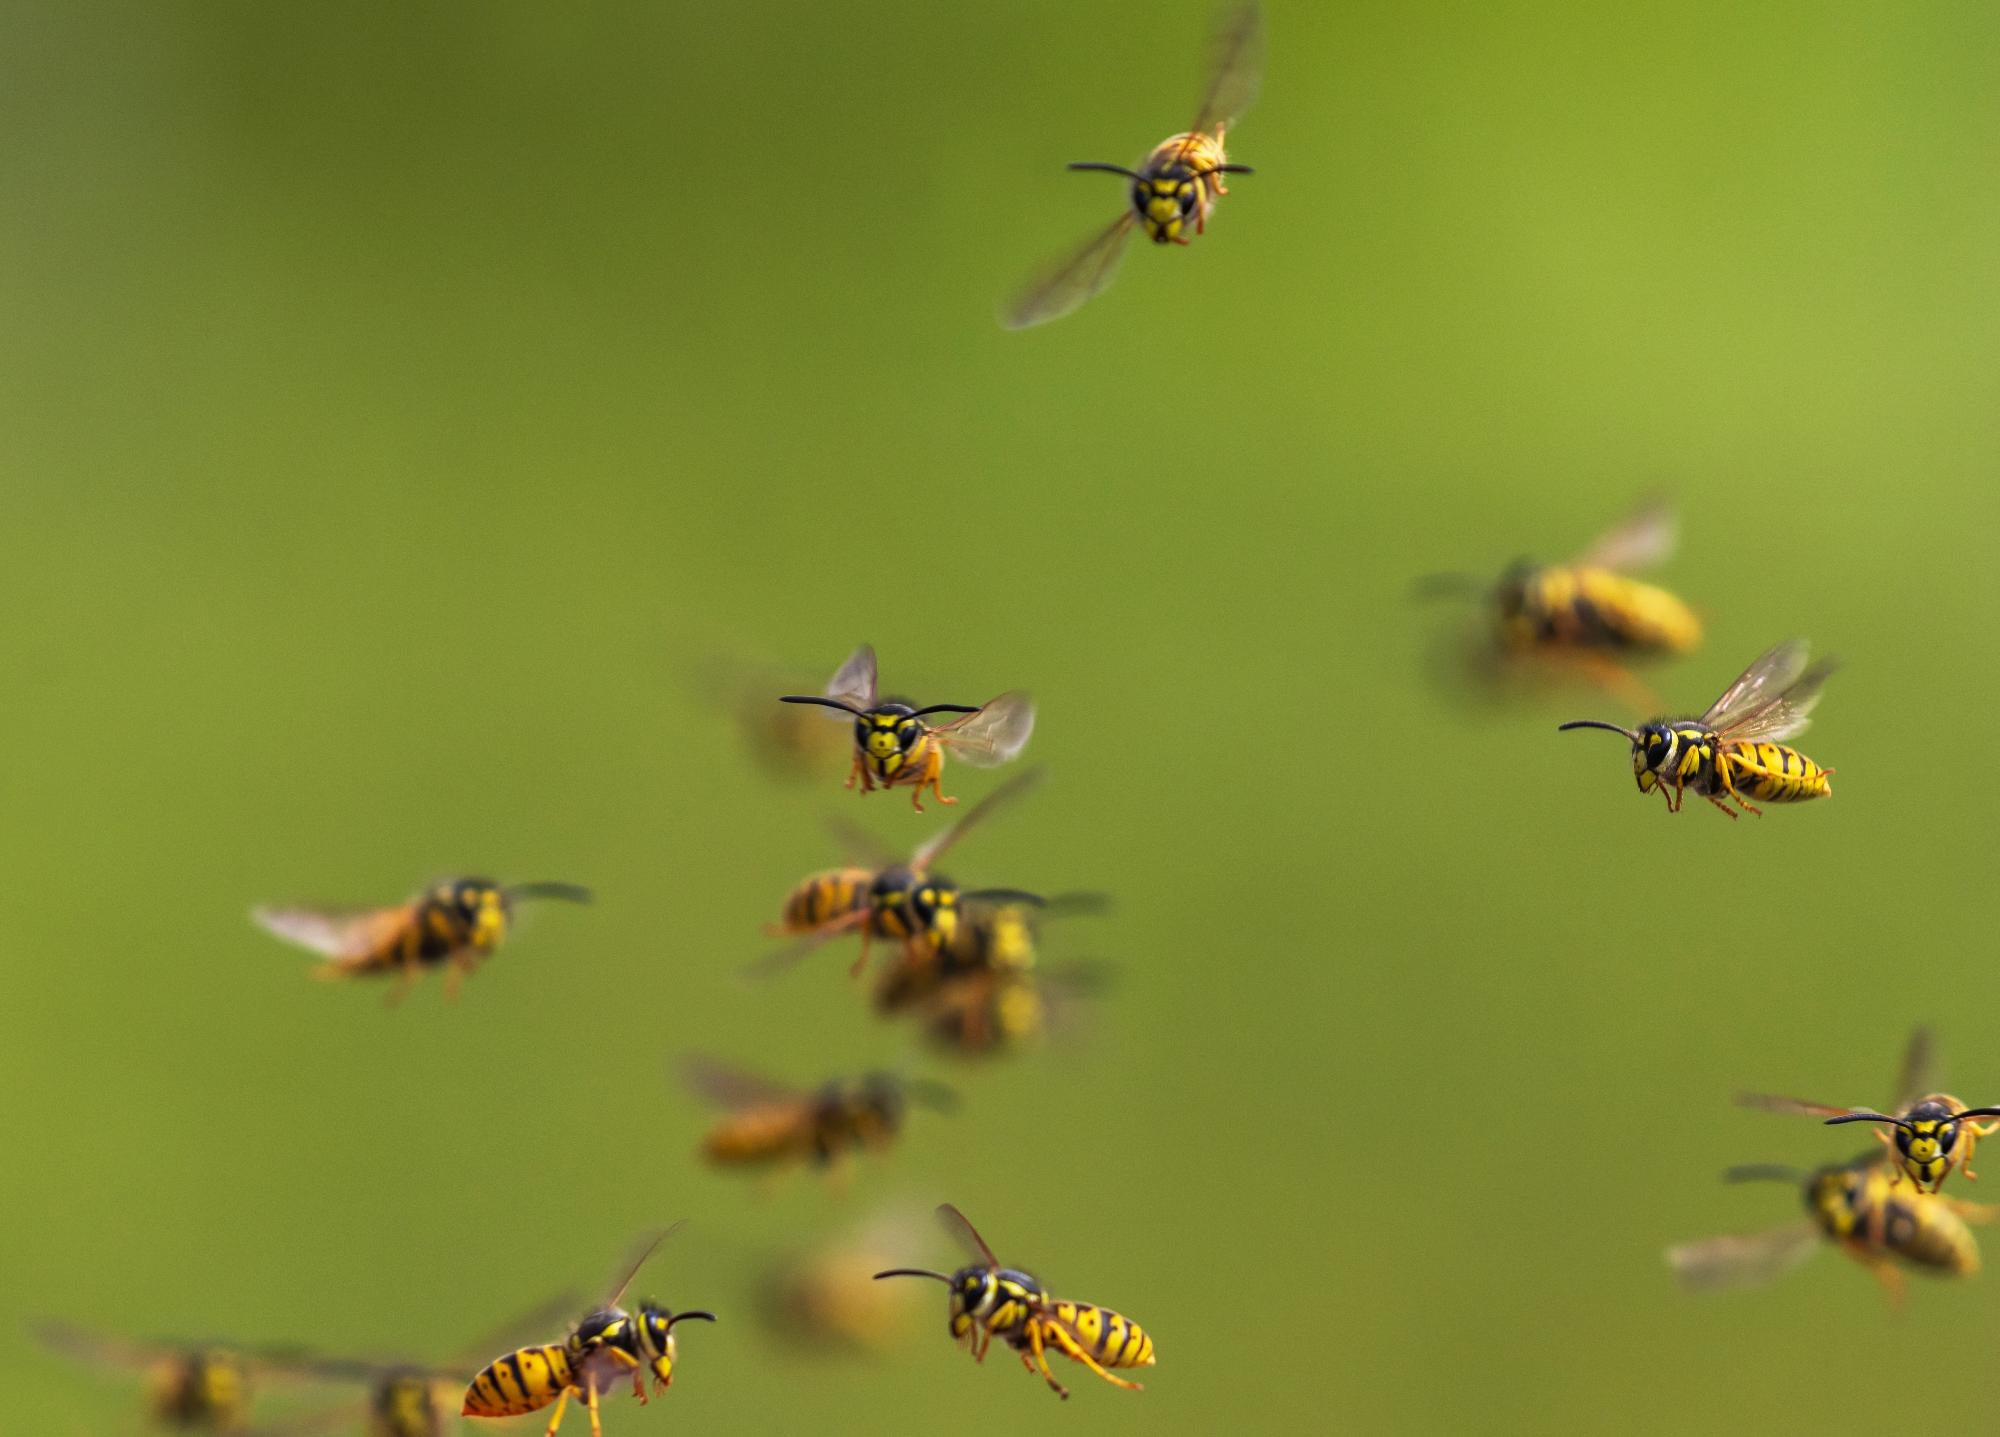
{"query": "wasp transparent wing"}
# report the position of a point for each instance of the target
(728, 1086)
(1787, 715)
(994, 735)
(1065, 286)
(853, 683)
(1772, 1103)
(1772, 674)
(966, 1235)
(926, 857)
(1236, 69)
(1646, 537)
(334, 932)
(1918, 1073)
(1748, 1260)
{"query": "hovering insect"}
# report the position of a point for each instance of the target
(909, 902)
(1857, 1206)
(194, 1387)
(894, 747)
(1735, 748)
(791, 744)
(989, 1301)
(1173, 190)
(818, 1300)
(459, 922)
(608, 1345)
(1929, 1131)
(772, 1124)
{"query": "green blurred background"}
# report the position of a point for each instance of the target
(407, 403)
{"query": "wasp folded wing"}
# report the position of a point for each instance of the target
(1065, 285)
(993, 735)
(1745, 1260)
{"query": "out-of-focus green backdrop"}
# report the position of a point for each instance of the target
(406, 404)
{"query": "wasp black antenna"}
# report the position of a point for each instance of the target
(1630, 735)
(824, 703)
(1108, 169)
(913, 1272)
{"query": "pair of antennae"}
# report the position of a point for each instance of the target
(1142, 179)
(827, 703)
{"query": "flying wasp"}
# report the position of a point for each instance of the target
(989, 1301)
(1588, 613)
(608, 1345)
(1736, 747)
(459, 922)
(905, 901)
(894, 747)
(1859, 1207)
(1173, 190)
(770, 1124)
(1929, 1131)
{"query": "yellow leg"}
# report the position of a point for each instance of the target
(556, 1421)
(1069, 1345)
(590, 1397)
(1042, 1361)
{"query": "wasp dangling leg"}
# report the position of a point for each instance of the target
(1727, 811)
(1074, 1349)
(1041, 1360)
(590, 1401)
(556, 1420)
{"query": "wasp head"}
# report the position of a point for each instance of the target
(479, 905)
(655, 1330)
(888, 732)
(1166, 202)
(934, 909)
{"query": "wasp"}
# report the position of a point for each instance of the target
(608, 1345)
(1175, 187)
(194, 1387)
(771, 1123)
(989, 1301)
(458, 922)
(1859, 1207)
(910, 902)
(894, 747)
(1929, 1131)
(1736, 748)
(819, 1299)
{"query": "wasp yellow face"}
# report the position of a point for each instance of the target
(481, 906)
(889, 737)
(1927, 1140)
(935, 905)
(1167, 204)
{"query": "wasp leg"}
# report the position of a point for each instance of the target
(858, 769)
(1042, 1360)
(860, 963)
(406, 977)
(462, 965)
(590, 1399)
(1069, 1344)
(1727, 811)
(562, 1401)
(1747, 806)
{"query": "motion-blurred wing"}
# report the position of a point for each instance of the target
(966, 1235)
(1236, 69)
(1645, 538)
(1744, 1261)
(995, 734)
(1772, 1103)
(728, 1086)
(1065, 285)
(1772, 673)
(853, 683)
(1918, 1071)
(335, 932)
(926, 856)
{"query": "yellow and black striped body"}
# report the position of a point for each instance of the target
(1110, 1337)
(1012, 1306)
(405, 1404)
(1868, 1211)
(1775, 773)
(827, 898)
(841, 1116)
(1177, 186)
(207, 1391)
(609, 1346)
(1565, 607)
(464, 915)
(986, 939)
(525, 1380)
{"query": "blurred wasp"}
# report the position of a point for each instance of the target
(608, 1345)
(910, 902)
(989, 1301)
(1928, 1130)
(894, 747)
(1859, 1207)
(1173, 190)
(771, 1124)
(459, 921)
(1587, 613)
(820, 1301)
(1735, 748)
(788, 743)
(194, 1387)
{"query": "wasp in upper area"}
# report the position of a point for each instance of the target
(459, 921)
(194, 1387)
(908, 901)
(1173, 190)
(1735, 748)
(1859, 1207)
(608, 1345)
(1587, 614)
(1929, 1131)
(894, 747)
(770, 1123)
(985, 990)
(989, 1301)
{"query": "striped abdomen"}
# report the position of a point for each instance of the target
(761, 1134)
(826, 896)
(1110, 1337)
(1773, 773)
(522, 1381)
(1561, 607)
